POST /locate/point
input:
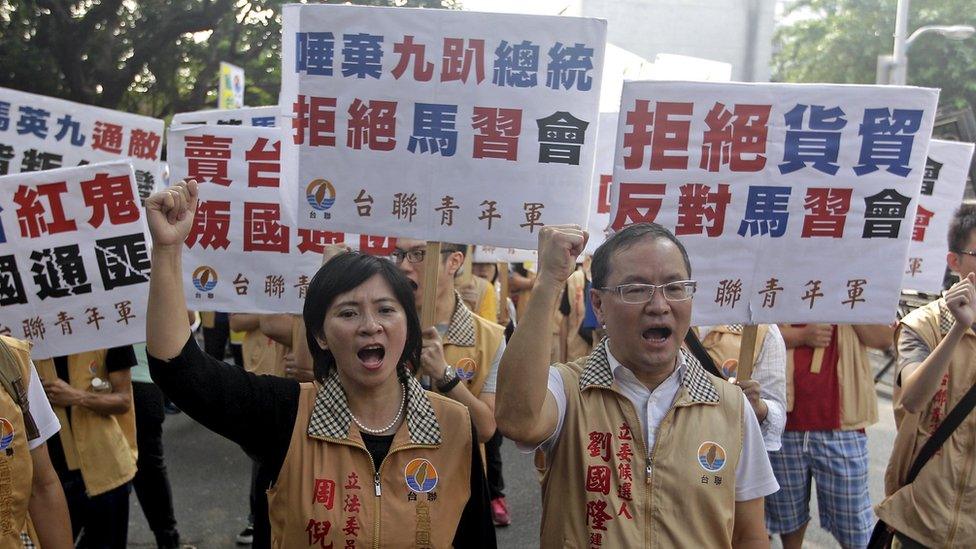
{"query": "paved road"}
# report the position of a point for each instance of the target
(210, 483)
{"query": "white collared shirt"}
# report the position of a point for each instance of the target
(754, 474)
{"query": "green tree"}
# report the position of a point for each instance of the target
(840, 40)
(154, 57)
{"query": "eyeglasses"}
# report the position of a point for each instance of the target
(679, 290)
(972, 253)
(413, 256)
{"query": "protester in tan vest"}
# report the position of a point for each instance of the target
(28, 481)
(95, 451)
(936, 367)
(479, 295)
(461, 346)
(643, 447)
(363, 456)
(830, 400)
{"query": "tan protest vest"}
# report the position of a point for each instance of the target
(102, 447)
(858, 400)
(263, 355)
(597, 484)
(470, 345)
(567, 344)
(937, 509)
(328, 491)
(16, 466)
(723, 344)
(486, 304)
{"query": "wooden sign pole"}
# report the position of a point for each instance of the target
(501, 268)
(467, 271)
(432, 265)
(747, 353)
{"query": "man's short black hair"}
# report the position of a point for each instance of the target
(962, 226)
(624, 239)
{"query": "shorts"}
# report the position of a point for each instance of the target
(837, 461)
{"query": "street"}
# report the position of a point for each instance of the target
(210, 478)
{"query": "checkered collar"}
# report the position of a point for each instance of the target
(331, 417)
(695, 380)
(461, 330)
(946, 320)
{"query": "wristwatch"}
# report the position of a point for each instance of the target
(449, 380)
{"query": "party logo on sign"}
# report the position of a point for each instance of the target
(420, 475)
(320, 194)
(711, 456)
(205, 278)
(6, 433)
(466, 368)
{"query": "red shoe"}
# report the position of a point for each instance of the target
(499, 512)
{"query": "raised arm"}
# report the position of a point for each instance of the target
(170, 215)
(524, 409)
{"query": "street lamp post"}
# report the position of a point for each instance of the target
(893, 69)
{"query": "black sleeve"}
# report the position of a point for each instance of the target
(257, 412)
(476, 528)
(120, 358)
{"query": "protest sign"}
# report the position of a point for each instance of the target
(74, 259)
(943, 186)
(439, 125)
(495, 254)
(43, 133)
(794, 201)
(230, 90)
(244, 254)
(598, 222)
(247, 116)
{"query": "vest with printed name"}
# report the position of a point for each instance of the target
(602, 486)
(937, 508)
(329, 494)
(16, 466)
(102, 447)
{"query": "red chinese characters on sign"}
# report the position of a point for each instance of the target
(497, 134)
(922, 219)
(31, 211)
(210, 225)
(459, 60)
(263, 164)
(423, 70)
(315, 241)
(262, 230)
(698, 205)
(107, 137)
(376, 245)
(372, 125)
(143, 144)
(207, 157)
(315, 119)
(736, 139)
(324, 492)
(599, 445)
(665, 130)
(598, 479)
(826, 212)
(638, 203)
(603, 198)
(111, 196)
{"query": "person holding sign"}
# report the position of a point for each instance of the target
(364, 456)
(643, 446)
(461, 346)
(936, 364)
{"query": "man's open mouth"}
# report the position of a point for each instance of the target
(658, 334)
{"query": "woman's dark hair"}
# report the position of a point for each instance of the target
(341, 274)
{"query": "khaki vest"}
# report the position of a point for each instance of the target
(263, 355)
(102, 447)
(486, 304)
(328, 491)
(567, 344)
(597, 484)
(470, 345)
(723, 344)
(858, 399)
(16, 465)
(937, 509)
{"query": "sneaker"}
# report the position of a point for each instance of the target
(499, 512)
(246, 537)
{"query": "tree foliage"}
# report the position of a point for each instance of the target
(840, 40)
(154, 57)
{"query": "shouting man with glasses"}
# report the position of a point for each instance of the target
(461, 353)
(644, 447)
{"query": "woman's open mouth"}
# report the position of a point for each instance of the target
(372, 356)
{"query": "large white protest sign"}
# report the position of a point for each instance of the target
(598, 222)
(246, 116)
(495, 254)
(438, 124)
(74, 259)
(794, 201)
(943, 186)
(43, 133)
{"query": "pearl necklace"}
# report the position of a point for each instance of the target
(403, 400)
